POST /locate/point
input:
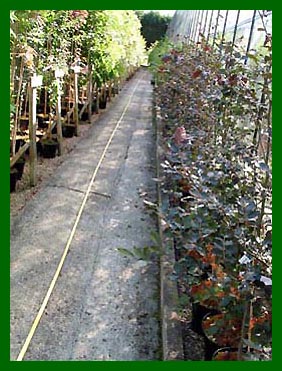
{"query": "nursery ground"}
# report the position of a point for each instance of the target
(105, 306)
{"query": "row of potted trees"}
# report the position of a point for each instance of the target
(106, 46)
(47, 145)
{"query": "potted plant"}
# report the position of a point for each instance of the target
(103, 98)
(49, 144)
(68, 130)
(19, 165)
(223, 329)
(49, 147)
(13, 179)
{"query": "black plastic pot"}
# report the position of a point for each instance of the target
(226, 354)
(24, 122)
(54, 130)
(94, 106)
(64, 112)
(19, 143)
(103, 104)
(199, 312)
(84, 116)
(42, 121)
(39, 148)
(49, 149)
(19, 165)
(13, 179)
(68, 130)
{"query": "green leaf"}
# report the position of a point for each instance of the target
(155, 237)
(184, 300)
(150, 204)
(125, 252)
(225, 301)
(253, 57)
(263, 166)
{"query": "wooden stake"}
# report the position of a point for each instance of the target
(75, 112)
(16, 123)
(90, 97)
(69, 95)
(45, 102)
(32, 136)
(110, 90)
(26, 102)
(58, 115)
(97, 97)
(20, 152)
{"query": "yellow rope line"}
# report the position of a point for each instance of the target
(60, 265)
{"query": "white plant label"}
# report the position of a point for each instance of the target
(244, 260)
(59, 73)
(36, 81)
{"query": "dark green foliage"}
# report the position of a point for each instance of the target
(154, 26)
(215, 137)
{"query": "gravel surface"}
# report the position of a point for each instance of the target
(73, 327)
(105, 306)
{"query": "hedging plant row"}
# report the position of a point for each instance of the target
(214, 114)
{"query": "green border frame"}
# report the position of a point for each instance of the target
(5, 236)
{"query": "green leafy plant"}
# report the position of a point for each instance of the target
(214, 117)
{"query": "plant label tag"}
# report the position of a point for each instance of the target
(36, 81)
(76, 69)
(244, 260)
(59, 73)
(267, 281)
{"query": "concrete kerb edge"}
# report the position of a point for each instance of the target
(172, 340)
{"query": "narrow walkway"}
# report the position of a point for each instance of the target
(105, 306)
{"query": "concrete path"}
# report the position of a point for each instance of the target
(105, 306)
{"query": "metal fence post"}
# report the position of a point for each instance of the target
(190, 25)
(215, 28)
(210, 23)
(193, 24)
(235, 29)
(250, 36)
(196, 25)
(200, 26)
(205, 23)
(224, 26)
